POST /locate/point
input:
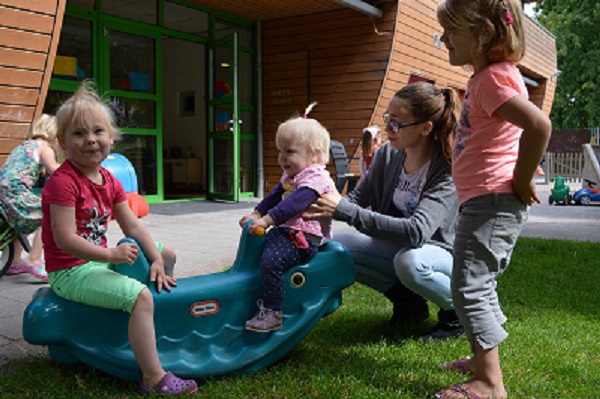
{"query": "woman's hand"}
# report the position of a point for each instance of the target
(324, 207)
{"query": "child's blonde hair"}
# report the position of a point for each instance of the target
(77, 109)
(496, 24)
(44, 128)
(308, 132)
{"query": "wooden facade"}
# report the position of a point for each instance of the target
(312, 50)
(29, 33)
(352, 65)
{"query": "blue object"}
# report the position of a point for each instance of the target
(200, 323)
(587, 194)
(139, 81)
(123, 170)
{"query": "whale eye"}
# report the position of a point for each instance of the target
(298, 279)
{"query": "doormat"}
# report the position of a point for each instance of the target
(189, 207)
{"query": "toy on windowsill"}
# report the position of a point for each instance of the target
(222, 89)
(200, 323)
(560, 192)
(588, 194)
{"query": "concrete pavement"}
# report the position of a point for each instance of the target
(206, 242)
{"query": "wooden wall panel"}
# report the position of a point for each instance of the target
(356, 65)
(29, 34)
(346, 57)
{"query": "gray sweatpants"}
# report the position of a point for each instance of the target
(486, 234)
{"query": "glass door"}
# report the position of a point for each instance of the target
(130, 73)
(223, 120)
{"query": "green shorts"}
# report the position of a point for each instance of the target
(98, 284)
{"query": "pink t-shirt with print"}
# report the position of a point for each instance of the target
(487, 146)
(317, 178)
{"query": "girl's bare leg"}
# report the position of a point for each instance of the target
(35, 255)
(169, 259)
(143, 338)
(487, 381)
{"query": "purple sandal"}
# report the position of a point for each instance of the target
(169, 385)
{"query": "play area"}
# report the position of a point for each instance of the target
(589, 193)
(200, 323)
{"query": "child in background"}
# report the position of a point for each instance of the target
(303, 146)
(19, 204)
(501, 139)
(77, 202)
(369, 143)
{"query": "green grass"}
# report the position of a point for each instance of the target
(549, 294)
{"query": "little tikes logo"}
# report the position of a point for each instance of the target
(204, 308)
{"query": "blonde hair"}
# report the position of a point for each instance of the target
(309, 133)
(497, 26)
(77, 109)
(44, 128)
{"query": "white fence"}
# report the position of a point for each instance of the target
(595, 136)
(568, 165)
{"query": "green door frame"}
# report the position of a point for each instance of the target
(232, 131)
(108, 24)
(101, 76)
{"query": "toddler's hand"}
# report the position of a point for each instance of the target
(258, 226)
(157, 273)
(124, 253)
(252, 216)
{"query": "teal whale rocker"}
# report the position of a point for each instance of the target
(200, 323)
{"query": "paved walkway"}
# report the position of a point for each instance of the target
(207, 241)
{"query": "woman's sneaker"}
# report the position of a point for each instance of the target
(266, 320)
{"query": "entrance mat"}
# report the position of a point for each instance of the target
(189, 207)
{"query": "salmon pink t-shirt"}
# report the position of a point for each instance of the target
(487, 146)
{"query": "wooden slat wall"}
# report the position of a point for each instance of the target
(29, 33)
(336, 58)
(540, 63)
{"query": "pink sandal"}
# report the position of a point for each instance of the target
(459, 366)
(169, 385)
(13, 270)
(36, 269)
(461, 389)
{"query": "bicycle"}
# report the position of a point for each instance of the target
(8, 235)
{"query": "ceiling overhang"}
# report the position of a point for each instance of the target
(264, 10)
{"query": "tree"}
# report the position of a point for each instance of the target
(575, 26)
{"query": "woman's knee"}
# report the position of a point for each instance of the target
(406, 267)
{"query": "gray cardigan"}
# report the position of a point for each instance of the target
(369, 207)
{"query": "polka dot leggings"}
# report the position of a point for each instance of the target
(280, 254)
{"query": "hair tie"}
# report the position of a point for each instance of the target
(308, 109)
(509, 18)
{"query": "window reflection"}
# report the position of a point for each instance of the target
(74, 55)
(186, 19)
(131, 62)
(141, 152)
(138, 10)
(134, 113)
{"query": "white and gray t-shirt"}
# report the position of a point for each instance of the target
(409, 188)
